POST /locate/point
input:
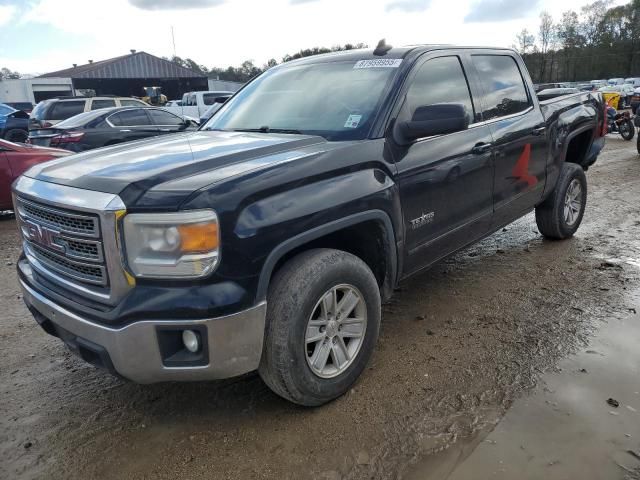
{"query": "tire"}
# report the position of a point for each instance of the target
(293, 302)
(638, 144)
(16, 135)
(552, 218)
(627, 130)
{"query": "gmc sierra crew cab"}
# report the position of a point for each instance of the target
(268, 239)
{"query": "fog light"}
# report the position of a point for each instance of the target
(191, 340)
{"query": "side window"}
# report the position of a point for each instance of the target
(96, 104)
(161, 117)
(440, 80)
(193, 101)
(128, 102)
(504, 89)
(130, 118)
(66, 109)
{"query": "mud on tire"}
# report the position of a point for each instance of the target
(293, 304)
(560, 215)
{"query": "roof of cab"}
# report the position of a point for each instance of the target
(367, 53)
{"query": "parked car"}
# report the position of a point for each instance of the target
(50, 112)
(195, 104)
(219, 101)
(635, 81)
(555, 92)
(108, 126)
(615, 81)
(15, 159)
(267, 239)
(26, 107)
(14, 124)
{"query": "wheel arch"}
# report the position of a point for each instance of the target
(330, 235)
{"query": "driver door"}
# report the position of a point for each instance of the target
(446, 181)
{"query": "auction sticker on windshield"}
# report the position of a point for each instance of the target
(379, 63)
(353, 121)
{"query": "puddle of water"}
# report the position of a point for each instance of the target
(566, 429)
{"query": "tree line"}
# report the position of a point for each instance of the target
(247, 70)
(600, 41)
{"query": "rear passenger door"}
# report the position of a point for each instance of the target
(446, 181)
(518, 131)
(132, 124)
(166, 122)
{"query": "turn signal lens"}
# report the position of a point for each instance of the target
(198, 238)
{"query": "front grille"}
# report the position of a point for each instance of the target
(63, 243)
(76, 270)
(83, 250)
(66, 221)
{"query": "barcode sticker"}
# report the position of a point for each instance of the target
(379, 63)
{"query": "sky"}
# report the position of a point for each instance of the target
(39, 36)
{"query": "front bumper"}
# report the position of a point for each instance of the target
(233, 342)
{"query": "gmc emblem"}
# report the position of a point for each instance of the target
(42, 236)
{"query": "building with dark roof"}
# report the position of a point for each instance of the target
(128, 74)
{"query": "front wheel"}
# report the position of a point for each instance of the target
(323, 317)
(560, 215)
(626, 129)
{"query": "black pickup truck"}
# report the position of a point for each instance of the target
(268, 239)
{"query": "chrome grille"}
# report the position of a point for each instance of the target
(63, 242)
(76, 270)
(65, 221)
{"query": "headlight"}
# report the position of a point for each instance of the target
(182, 244)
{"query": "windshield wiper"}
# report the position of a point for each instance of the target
(267, 129)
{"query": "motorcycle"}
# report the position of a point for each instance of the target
(620, 122)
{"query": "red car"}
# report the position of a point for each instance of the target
(15, 158)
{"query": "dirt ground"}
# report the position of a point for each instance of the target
(459, 344)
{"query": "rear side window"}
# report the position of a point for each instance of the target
(65, 109)
(96, 104)
(440, 80)
(129, 102)
(161, 117)
(130, 118)
(504, 90)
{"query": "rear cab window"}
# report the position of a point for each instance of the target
(503, 86)
(65, 109)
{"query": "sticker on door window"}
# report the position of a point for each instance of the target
(353, 121)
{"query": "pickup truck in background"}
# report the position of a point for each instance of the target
(195, 104)
(268, 239)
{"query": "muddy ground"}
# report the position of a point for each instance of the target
(458, 345)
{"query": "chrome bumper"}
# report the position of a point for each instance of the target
(234, 342)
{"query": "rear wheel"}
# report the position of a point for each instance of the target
(627, 130)
(638, 144)
(16, 135)
(560, 215)
(323, 317)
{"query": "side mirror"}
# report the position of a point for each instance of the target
(437, 119)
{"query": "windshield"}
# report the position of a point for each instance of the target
(82, 118)
(338, 100)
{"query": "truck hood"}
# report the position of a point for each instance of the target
(132, 169)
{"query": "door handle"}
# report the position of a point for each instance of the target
(125, 130)
(165, 129)
(481, 148)
(539, 130)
